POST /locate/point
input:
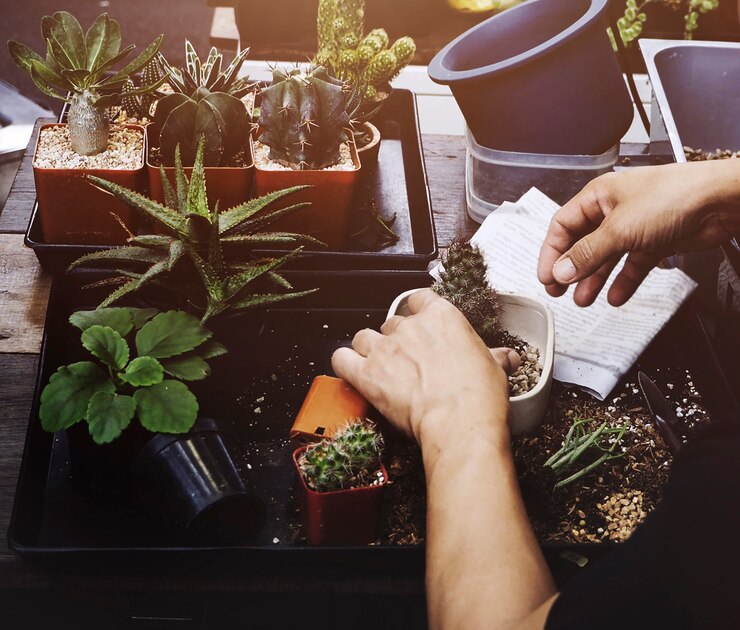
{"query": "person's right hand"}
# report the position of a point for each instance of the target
(649, 213)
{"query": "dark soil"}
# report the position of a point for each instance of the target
(243, 158)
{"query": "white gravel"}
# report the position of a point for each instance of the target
(125, 150)
(262, 159)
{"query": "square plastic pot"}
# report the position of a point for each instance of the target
(343, 517)
(74, 211)
(531, 320)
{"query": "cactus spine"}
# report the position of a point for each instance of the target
(303, 117)
(349, 459)
(464, 283)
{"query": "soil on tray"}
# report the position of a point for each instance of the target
(697, 155)
(240, 160)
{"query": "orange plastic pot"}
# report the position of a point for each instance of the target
(72, 210)
(343, 517)
(369, 153)
(227, 185)
(329, 216)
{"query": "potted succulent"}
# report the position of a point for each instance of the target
(501, 320)
(303, 140)
(203, 258)
(342, 483)
(208, 101)
(79, 69)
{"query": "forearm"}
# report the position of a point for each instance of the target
(484, 565)
(725, 198)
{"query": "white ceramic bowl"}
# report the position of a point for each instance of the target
(531, 320)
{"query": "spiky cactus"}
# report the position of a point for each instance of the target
(139, 104)
(303, 118)
(349, 459)
(464, 283)
(339, 26)
(77, 69)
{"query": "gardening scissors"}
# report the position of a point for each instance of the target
(664, 418)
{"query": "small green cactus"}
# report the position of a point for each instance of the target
(339, 25)
(139, 104)
(464, 283)
(381, 69)
(404, 49)
(349, 459)
(303, 118)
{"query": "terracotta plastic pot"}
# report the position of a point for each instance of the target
(72, 210)
(328, 218)
(369, 153)
(227, 185)
(343, 517)
(531, 320)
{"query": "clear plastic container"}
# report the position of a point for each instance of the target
(493, 177)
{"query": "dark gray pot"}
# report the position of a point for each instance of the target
(540, 77)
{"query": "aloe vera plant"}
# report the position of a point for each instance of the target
(79, 69)
(194, 258)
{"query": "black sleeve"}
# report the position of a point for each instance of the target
(681, 567)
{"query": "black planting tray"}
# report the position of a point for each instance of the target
(397, 186)
(273, 357)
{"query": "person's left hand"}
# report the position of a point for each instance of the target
(430, 369)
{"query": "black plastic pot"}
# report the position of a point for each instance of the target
(540, 77)
(195, 483)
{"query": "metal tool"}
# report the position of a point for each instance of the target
(664, 417)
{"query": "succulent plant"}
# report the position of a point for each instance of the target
(79, 69)
(219, 119)
(464, 283)
(303, 118)
(339, 26)
(196, 257)
(631, 24)
(209, 74)
(348, 459)
(139, 104)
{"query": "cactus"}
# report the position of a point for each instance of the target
(404, 49)
(77, 70)
(381, 69)
(219, 118)
(303, 117)
(339, 26)
(349, 459)
(139, 104)
(464, 283)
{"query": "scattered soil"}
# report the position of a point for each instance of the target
(697, 155)
(125, 150)
(240, 160)
(262, 159)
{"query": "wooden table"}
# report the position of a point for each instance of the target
(24, 587)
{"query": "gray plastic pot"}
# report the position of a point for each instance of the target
(540, 77)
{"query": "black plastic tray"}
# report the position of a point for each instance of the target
(294, 343)
(398, 185)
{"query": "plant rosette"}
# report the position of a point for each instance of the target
(71, 209)
(531, 320)
(107, 393)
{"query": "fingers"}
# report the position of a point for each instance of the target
(364, 341)
(589, 288)
(348, 364)
(391, 324)
(422, 299)
(507, 358)
(636, 268)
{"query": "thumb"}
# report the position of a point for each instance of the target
(586, 256)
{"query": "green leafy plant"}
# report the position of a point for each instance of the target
(78, 69)
(204, 257)
(349, 459)
(144, 380)
(303, 118)
(630, 25)
(585, 448)
(464, 283)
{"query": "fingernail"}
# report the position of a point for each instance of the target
(564, 271)
(514, 359)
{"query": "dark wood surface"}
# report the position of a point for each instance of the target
(445, 165)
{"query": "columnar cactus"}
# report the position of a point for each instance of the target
(339, 25)
(464, 283)
(303, 118)
(139, 104)
(349, 459)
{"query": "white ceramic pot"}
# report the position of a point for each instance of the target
(531, 320)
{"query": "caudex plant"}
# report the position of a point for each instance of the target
(79, 69)
(586, 447)
(303, 118)
(204, 257)
(142, 358)
(349, 459)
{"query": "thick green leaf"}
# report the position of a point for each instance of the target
(112, 61)
(125, 253)
(170, 198)
(108, 414)
(73, 38)
(169, 334)
(77, 77)
(142, 372)
(234, 217)
(181, 182)
(65, 399)
(237, 282)
(138, 62)
(106, 344)
(153, 240)
(234, 115)
(113, 45)
(197, 201)
(44, 86)
(179, 130)
(119, 319)
(124, 289)
(23, 55)
(273, 239)
(96, 40)
(187, 368)
(211, 349)
(168, 407)
(52, 78)
(265, 299)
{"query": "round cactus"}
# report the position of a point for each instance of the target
(404, 49)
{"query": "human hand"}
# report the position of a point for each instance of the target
(649, 213)
(430, 373)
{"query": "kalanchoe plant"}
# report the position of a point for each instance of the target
(143, 381)
(79, 68)
(195, 258)
(464, 283)
(349, 459)
(303, 118)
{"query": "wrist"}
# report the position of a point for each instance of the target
(725, 202)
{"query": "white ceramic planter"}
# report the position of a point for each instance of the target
(531, 320)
